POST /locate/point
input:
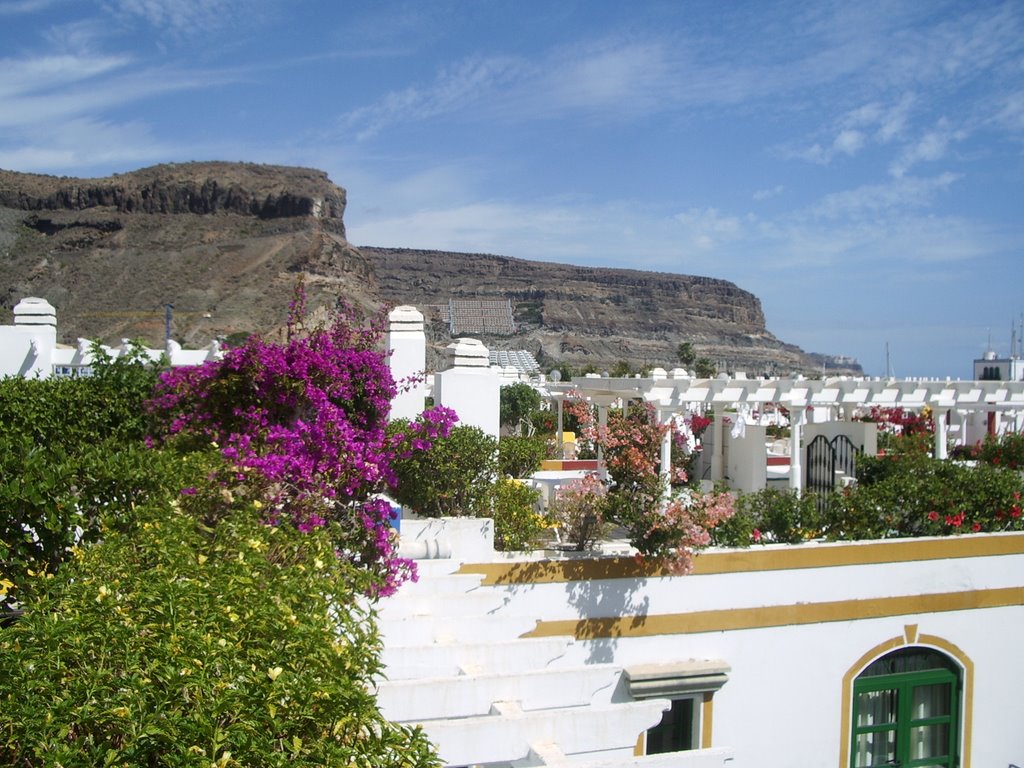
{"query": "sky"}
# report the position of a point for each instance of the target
(859, 167)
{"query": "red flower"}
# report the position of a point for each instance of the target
(933, 516)
(756, 535)
(1015, 510)
(975, 527)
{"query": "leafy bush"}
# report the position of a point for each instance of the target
(53, 499)
(770, 516)
(68, 413)
(579, 510)
(517, 525)
(521, 456)
(174, 644)
(1006, 450)
(664, 523)
(914, 495)
(455, 478)
(516, 403)
(71, 455)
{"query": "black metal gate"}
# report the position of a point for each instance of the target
(825, 461)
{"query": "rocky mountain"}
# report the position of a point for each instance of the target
(225, 242)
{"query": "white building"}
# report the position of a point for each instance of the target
(896, 652)
(899, 652)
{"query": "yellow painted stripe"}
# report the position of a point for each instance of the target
(777, 615)
(751, 560)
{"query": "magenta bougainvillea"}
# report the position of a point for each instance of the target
(300, 426)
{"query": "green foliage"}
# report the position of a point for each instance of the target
(770, 516)
(686, 353)
(1006, 450)
(517, 401)
(71, 454)
(521, 456)
(580, 510)
(53, 498)
(517, 526)
(911, 494)
(704, 368)
(68, 413)
(456, 477)
(174, 644)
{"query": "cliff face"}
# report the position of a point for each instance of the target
(592, 316)
(268, 192)
(225, 242)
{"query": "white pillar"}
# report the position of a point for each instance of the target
(797, 419)
(665, 418)
(470, 387)
(939, 415)
(407, 344)
(718, 444)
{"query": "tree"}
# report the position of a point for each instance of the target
(686, 353)
(456, 477)
(704, 368)
(517, 402)
(521, 456)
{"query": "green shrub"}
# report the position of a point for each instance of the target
(69, 413)
(517, 525)
(1003, 451)
(71, 453)
(770, 516)
(912, 494)
(53, 498)
(521, 456)
(173, 644)
(517, 402)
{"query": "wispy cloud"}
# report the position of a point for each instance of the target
(452, 90)
(769, 192)
(185, 16)
(19, 7)
(888, 199)
(83, 143)
(929, 147)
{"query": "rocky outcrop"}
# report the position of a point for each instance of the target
(225, 242)
(264, 191)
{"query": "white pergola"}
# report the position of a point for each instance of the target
(677, 393)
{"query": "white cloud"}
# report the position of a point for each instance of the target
(44, 74)
(18, 7)
(185, 16)
(85, 143)
(929, 147)
(706, 228)
(890, 199)
(451, 91)
(769, 192)
(610, 76)
(849, 142)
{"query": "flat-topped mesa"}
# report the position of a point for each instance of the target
(247, 189)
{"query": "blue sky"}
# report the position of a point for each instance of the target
(857, 166)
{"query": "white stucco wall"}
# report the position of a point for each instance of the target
(782, 706)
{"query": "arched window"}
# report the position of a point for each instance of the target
(906, 711)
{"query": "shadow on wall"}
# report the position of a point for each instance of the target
(602, 591)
